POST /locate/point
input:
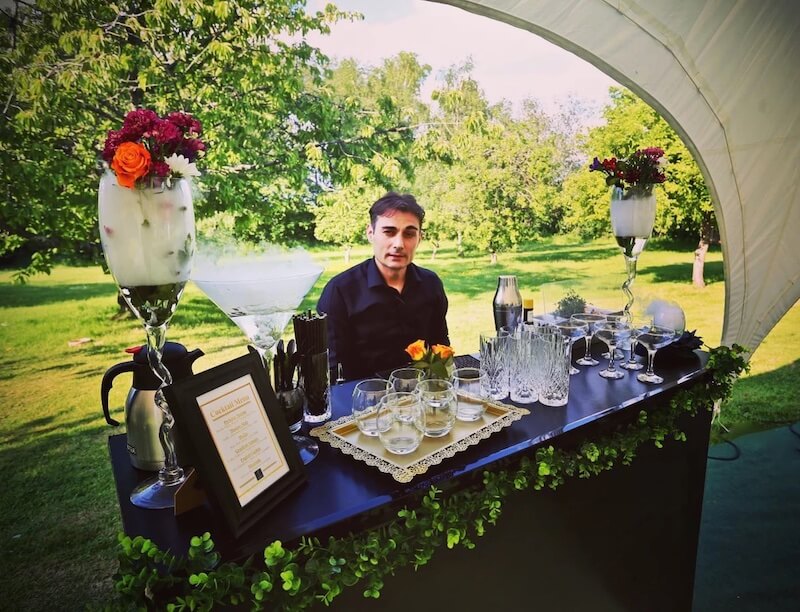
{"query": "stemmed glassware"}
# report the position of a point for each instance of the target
(613, 333)
(148, 238)
(591, 320)
(260, 295)
(572, 330)
(653, 338)
(638, 325)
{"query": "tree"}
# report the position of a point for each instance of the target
(277, 134)
(391, 89)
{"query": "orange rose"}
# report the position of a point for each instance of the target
(416, 350)
(131, 162)
(442, 351)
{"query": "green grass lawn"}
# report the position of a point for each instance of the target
(59, 520)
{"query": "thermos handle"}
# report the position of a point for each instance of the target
(108, 381)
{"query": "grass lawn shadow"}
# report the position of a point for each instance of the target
(22, 296)
(713, 272)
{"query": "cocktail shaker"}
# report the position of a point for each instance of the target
(507, 303)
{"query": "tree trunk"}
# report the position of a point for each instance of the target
(699, 264)
(459, 244)
(435, 245)
(707, 235)
(494, 258)
(347, 249)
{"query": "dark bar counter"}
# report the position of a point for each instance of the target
(623, 540)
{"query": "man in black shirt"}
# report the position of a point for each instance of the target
(380, 306)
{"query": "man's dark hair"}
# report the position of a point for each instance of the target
(392, 201)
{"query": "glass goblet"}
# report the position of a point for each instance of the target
(613, 333)
(591, 320)
(572, 330)
(638, 325)
(366, 397)
(654, 338)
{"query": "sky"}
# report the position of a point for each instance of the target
(509, 63)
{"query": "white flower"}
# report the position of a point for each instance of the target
(180, 166)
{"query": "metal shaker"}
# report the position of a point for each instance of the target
(507, 303)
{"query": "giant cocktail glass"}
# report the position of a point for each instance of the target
(148, 240)
(260, 293)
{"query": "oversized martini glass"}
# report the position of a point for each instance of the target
(260, 294)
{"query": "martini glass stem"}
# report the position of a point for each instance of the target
(630, 271)
(651, 354)
(171, 473)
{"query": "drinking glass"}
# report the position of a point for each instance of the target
(654, 338)
(591, 320)
(439, 406)
(618, 354)
(405, 379)
(366, 397)
(472, 389)
(551, 362)
(494, 364)
(405, 422)
(638, 325)
(572, 330)
(613, 333)
(522, 369)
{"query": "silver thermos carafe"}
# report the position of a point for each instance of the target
(507, 303)
(142, 416)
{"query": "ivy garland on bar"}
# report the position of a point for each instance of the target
(293, 579)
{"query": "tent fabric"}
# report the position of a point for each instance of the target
(725, 74)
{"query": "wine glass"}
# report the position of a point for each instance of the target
(638, 325)
(613, 333)
(148, 239)
(622, 316)
(572, 330)
(653, 338)
(260, 295)
(591, 320)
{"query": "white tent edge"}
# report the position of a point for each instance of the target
(689, 60)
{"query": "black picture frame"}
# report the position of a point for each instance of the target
(245, 375)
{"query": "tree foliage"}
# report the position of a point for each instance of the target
(277, 133)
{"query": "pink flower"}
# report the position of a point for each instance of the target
(138, 122)
(185, 122)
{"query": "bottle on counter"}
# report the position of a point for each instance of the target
(527, 310)
(507, 303)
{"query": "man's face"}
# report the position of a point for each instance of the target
(394, 239)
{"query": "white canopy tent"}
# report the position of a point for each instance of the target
(725, 74)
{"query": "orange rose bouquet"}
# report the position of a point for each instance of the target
(436, 361)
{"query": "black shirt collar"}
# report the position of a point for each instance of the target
(374, 278)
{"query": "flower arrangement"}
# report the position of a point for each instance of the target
(436, 361)
(637, 173)
(150, 149)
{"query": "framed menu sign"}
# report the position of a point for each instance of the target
(241, 445)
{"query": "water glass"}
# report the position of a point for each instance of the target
(405, 422)
(471, 387)
(551, 359)
(522, 370)
(439, 406)
(366, 398)
(405, 379)
(494, 364)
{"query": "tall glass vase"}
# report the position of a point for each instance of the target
(148, 239)
(633, 214)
